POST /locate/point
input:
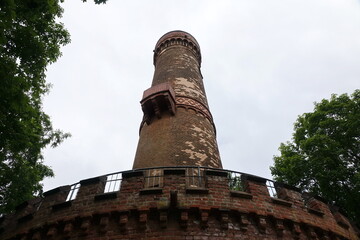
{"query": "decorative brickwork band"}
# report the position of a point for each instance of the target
(192, 103)
(161, 98)
(177, 38)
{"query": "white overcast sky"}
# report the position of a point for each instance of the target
(264, 63)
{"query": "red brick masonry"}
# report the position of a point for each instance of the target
(174, 209)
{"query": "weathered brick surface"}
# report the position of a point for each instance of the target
(186, 139)
(174, 213)
(186, 136)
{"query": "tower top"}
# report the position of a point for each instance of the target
(174, 38)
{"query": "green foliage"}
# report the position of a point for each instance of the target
(97, 1)
(30, 40)
(235, 182)
(324, 155)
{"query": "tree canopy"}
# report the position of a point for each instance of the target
(324, 154)
(30, 40)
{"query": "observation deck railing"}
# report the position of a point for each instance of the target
(188, 189)
(195, 178)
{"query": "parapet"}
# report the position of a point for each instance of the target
(174, 38)
(176, 203)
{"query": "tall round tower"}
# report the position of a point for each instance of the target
(177, 128)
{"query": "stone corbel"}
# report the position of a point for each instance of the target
(244, 222)
(262, 224)
(184, 218)
(68, 228)
(85, 225)
(52, 231)
(143, 218)
(124, 219)
(156, 108)
(224, 219)
(296, 230)
(157, 99)
(279, 226)
(163, 219)
(104, 222)
(204, 217)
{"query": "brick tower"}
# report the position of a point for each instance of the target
(177, 128)
(177, 189)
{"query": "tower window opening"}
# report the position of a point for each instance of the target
(113, 183)
(73, 192)
(154, 178)
(271, 189)
(235, 182)
(195, 177)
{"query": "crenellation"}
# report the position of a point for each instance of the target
(190, 43)
(290, 194)
(206, 211)
(55, 196)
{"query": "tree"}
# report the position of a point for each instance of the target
(324, 155)
(30, 40)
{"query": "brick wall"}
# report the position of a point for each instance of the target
(177, 208)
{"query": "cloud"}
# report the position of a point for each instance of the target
(264, 63)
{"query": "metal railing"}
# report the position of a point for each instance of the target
(154, 178)
(195, 177)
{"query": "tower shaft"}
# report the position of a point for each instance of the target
(177, 128)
